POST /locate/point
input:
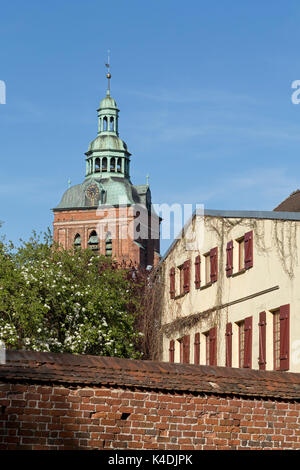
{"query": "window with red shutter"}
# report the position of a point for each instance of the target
(172, 350)
(180, 350)
(228, 337)
(172, 283)
(248, 342)
(213, 346)
(213, 264)
(207, 268)
(262, 340)
(207, 348)
(197, 349)
(248, 243)
(241, 248)
(276, 338)
(197, 271)
(186, 276)
(285, 337)
(185, 348)
(181, 278)
(241, 326)
(229, 259)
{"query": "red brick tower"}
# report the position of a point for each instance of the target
(107, 212)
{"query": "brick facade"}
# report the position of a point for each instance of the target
(118, 221)
(50, 401)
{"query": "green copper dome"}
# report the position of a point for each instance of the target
(108, 102)
(107, 142)
(107, 180)
(107, 155)
(109, 192)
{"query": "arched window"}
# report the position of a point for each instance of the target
(93, 242)
(104, 164)
(77, 241)
(119, 166)
(111, 123)
(105, 123)
(108, 245)
(97, 165)
(112, 164)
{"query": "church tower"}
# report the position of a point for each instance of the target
(106, 212)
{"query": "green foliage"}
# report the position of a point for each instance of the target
(58, 301)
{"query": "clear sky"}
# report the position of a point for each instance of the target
(204, 90)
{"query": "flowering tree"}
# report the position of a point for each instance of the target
(58, 301)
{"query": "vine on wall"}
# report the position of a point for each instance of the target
(284, 237)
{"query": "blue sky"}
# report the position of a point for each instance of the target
(204, 90)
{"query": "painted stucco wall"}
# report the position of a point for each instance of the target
(273, 281)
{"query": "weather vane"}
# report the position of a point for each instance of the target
(108, 75)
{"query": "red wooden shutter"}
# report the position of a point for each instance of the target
(197, 349)
(186, 349)
(213, 346)
(262, 340)
(186, 276)
(284, 337)
(229, 258)
(228, 336)
(248, 342)
(172, 283)
(171, 350)
(197, 271)
(213, 264)
(248, 241)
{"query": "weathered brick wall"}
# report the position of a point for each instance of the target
(65, 401)
(37, 416)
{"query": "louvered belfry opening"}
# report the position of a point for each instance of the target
(93, 241)
(77, 241)
(108, 245)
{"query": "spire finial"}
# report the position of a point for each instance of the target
(147, 179)
(108, 75)
(69, 182)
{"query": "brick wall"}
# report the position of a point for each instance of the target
(39, 412)
(68, 223)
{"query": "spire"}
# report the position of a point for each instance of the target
(108, 75)
(108, 110)
(107, 155)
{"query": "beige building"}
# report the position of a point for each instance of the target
(232, 290)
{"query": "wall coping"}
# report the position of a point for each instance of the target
(102, 371)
